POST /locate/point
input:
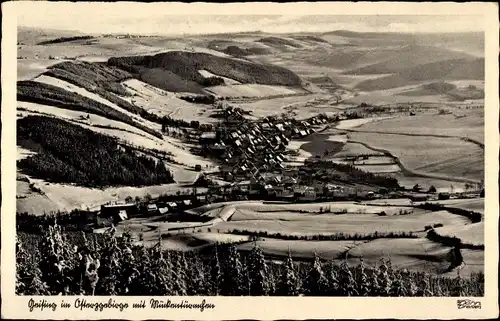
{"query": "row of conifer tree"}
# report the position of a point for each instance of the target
(113, 265)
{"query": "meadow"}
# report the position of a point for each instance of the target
(449, 157)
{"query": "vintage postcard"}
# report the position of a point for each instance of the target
(197, 161)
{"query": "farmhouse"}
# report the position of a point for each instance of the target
(119, 210)
(152, 209)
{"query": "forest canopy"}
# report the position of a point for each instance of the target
(68, 153)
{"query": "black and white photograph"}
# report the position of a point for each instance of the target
(164, 154)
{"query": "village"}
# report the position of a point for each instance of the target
(253, 165)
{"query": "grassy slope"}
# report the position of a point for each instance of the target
(68, 153)
(36, 92)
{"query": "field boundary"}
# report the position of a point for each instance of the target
(410, 172)
(467, 139)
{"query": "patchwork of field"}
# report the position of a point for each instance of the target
(268, 207)
(442, 186)
(355, 149)
(324, 218)
(476, 205)
(65, 197)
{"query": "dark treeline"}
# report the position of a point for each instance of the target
(68, 153)
(325, 171)
(327, 237)
(475, 217)
(111, 265)
(200, 99)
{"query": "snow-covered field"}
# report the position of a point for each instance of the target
(251, 90)
(326, 250)
(352, 123)
(164, 103)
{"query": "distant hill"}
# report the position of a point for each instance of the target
(400, 59)
(239, 49)
(239, 52)
(445, 88)
(453, 69)
(33, 36)
(355, 34)
(186, 66)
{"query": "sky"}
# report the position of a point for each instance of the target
(151, 18)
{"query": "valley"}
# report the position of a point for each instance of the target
(328, 145)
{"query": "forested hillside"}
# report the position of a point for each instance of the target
(67, 153)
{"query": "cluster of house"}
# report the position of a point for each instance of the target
(246, 148)
(284, 187)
